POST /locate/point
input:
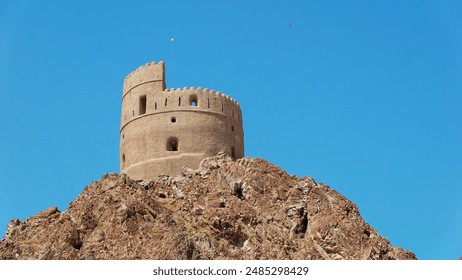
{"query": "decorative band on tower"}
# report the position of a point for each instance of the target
(163, 130)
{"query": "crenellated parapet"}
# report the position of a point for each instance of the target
(149, 73)
(163, 130)
(185, 99)
(201, 91)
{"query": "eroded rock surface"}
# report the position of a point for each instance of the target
(243, 209)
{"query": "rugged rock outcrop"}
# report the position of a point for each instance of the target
(243, 209)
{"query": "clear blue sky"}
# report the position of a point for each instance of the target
(364, 96)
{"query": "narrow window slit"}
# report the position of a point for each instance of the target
(142, 105)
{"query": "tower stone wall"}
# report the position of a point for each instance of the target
(163, 130)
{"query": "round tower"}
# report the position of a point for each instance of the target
(163, 130)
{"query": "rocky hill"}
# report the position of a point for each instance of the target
(243, 209)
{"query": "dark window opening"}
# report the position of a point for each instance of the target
(142, 106)
(173, 119)
(172, 144)
(179, 101)
(232, 128)
(233, 153)
(165, 101)
(155, 106)
(208, 103)
(123, 160)
(193, 101)
(123, 136)
(222, 107)
(133, 112)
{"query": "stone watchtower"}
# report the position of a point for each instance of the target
(163, 130)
